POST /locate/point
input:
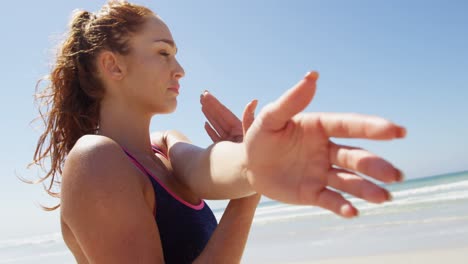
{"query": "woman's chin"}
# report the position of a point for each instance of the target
(173, 107)
(169, 109)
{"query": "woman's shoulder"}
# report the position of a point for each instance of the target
(97, 163)
(95, 149)
(102, 199)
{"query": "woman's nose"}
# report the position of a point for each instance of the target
(179, 71)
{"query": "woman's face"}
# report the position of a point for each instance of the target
(153, 73)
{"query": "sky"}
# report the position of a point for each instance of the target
(403, 60)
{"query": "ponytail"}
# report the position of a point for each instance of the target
(73, 92)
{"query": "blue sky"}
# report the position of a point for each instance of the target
(403, 60)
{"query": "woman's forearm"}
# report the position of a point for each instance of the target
(227, 243)
(212, 173)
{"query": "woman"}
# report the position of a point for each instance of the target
(127, 197)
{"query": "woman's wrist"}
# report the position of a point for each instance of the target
(246, 174)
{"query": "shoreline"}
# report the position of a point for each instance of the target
(452, 256)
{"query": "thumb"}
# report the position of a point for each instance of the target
(275, 115)
(249, 115)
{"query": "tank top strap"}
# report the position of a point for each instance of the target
(141, 168)
(184, 229)
(162, 185)
(136, 162)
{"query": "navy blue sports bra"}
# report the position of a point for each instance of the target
(184, 228)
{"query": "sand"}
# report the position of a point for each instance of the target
(440, 256)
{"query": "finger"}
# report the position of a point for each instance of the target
(335, 202)
(249, 115)
(344, 125)
(218, 114)
(210, 131)
(364, 162)
(222, 132)
(357, 186)
(275, 115)
(213, 119)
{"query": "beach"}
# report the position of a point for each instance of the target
(427, 222)
(447, 256)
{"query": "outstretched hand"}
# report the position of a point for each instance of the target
(290, 157)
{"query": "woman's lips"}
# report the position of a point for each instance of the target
(174, 89)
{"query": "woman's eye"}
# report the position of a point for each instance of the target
(164, 53)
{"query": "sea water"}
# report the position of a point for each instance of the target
(426, 213)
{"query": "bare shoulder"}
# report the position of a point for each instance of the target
(95, 145)
(103, 203)
(95, 166)
(92, 155)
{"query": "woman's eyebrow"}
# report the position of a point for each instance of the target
(168, 41)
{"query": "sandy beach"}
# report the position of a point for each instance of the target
(426, 223)
(446, 256)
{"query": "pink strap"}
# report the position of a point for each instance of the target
(147, 172)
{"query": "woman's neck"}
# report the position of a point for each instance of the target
(127, 127)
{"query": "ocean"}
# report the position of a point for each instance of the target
(425, 214)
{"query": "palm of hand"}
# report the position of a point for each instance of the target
(291, 163)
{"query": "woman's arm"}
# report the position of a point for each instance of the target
(211, 173)
(227, 243)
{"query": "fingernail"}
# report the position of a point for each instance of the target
(254, 104)
(400, 176)
(401, 133)
(311, 75)
(348, 211)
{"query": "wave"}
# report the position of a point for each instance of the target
(415, 203)
(283, 208)
(35, 257)
(282, 212)
(406, 193)
(289, 217)
(402, 222)
(433, 188)
(32, 241)
(274, 209)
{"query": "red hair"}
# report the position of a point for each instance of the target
(73, 92)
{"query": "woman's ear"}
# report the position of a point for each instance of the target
(111, 65)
